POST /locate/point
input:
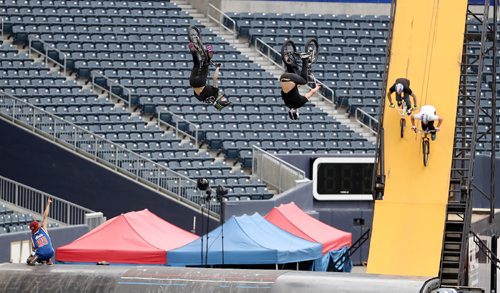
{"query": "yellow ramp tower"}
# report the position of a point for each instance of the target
(408, 223)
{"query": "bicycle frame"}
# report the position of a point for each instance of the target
(426, 145)
(402, 122)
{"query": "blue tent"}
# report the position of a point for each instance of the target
(247, 240)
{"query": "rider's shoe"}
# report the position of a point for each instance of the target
(293, 114)
(408, 111)
(191, 47)
(210, 51)
(433, 136)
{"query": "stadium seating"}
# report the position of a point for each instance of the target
(352, 53)
(143, 45)
(11, 221)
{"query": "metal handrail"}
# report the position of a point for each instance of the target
(176, 126)
(48, 47)
(102, 150)
(3, 25)
(111, 83)
(34, 200)
(219, 21)
(281, 161)
(359, 113)
(278, 54)
(295, 172)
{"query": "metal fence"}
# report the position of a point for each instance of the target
(275, 172)
(35, 200)
(166, 117)
(99, 149)
(218, 16)
(367, 120)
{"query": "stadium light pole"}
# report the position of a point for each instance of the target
(203, 185)
(222, 192)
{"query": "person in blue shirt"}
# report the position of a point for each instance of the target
(41, 244)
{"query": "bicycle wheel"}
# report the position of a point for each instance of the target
(195, 37)
(288, 51)
(402, 124)
(312, 47)
(425, 150)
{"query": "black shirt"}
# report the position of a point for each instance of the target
(406, 86)
(293, 99)
(207, 92)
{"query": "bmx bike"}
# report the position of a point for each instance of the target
(290, 55)
(402, 122)
(426, 145)
(194, 36)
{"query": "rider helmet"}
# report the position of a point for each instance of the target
(399, 88)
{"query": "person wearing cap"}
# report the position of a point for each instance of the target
(403, 91)
(427, 115)
(41, 244)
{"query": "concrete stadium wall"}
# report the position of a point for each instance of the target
(308, 7)
(373, 7)
(38, 163)
(59, 236)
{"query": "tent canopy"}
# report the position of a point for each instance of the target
(132, 238)
(291, 218)
(247, 240)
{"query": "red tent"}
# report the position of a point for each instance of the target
(291, 218)
(132, 238)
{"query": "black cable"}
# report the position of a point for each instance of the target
(201, 230)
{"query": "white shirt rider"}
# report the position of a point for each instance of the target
(429, 111)
(427, 115)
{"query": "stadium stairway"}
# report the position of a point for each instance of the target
(245, 46)
(148, 143)
(324, 140)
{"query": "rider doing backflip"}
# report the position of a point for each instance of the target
(290, 81)
(210, 94)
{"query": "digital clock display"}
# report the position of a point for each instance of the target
(343, 178)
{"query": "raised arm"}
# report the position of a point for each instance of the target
(440, 121)
(46, 214)
(414, 100)
(215, 78)
(390, 99)
(312, 91)
(413, 126)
